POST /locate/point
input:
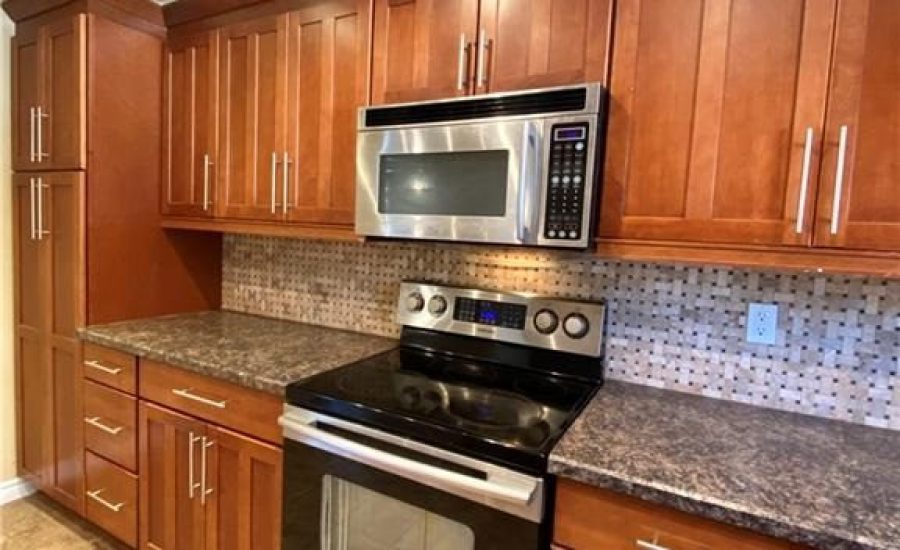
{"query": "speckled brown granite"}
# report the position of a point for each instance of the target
(828, 484)
(256, 352)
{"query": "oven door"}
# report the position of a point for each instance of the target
(349, 487)
(477, 182)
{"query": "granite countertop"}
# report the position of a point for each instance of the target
(264, 354)
(824, 483)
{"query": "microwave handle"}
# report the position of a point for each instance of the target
(529, 178)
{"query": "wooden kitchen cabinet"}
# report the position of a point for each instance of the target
(49, 91)
(713, 107)
(431, 49)
(588, 518)
(49, 244)
(859, 202)
(190, 125)
(327, 68)
(252, 172)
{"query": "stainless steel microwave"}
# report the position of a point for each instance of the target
(515, 168)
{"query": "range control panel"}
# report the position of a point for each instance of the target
(530, 320)
(567, 178)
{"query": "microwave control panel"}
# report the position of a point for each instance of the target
(567, 178)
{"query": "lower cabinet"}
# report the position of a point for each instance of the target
(588, 518)
(112, 497)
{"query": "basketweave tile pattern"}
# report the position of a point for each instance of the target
(673, 326)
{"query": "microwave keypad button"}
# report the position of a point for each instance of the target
(579, 146)
(551, 234)
(573, 234)
(576, 179)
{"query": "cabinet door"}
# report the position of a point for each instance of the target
(32, 374)
(62, 224)
(717, 107)
(253, 65)
(171, 515)
(328, 61)
(858, 202)
(422, 49)
(244, 484)
(25, 97)
(544, 43)
(190, 124)
(61, 127)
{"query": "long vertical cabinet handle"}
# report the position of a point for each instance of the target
(206, 164)
(31, 185)
(839, 181)
(205, 490)
(482, 58)
(285, 168)
(274, 178)
(39, 120)
(40, 209)
(804, 180)
(32, 134)
(192, 485)
(461, 61)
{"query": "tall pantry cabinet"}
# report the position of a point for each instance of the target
(87, 239)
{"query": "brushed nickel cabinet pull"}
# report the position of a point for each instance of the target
(102, 368)
(206, 164)
(192, 485)
(646, 545)
(804, 180)
(40, 209)
(482, 58)
(39, 119)
(839, 181)
(32, 189)
(33, 135)
(274, 178)
(205, 491)
(95, 495)
(286, 167)
(187, 393)
(95, 422)
(461, 60)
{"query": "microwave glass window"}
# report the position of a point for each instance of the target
(470, 183)
(356, 518)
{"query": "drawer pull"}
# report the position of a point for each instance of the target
(187, 394)
(102, 368)
(95, 422)
(95, 495)
(645, 545)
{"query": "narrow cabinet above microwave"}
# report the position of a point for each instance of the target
(433, 49)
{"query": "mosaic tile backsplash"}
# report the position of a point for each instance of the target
(680, 327)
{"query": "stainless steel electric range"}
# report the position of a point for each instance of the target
(442, 442)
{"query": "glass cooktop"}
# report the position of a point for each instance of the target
(498, 413)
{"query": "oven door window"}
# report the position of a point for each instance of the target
(357, 518)
(468, 183)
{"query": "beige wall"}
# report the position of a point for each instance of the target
(7, 419)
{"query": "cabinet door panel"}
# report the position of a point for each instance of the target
(864, 98)
(544, 43)
(64, 94)
(190, 122)
(712, 103)
(252, 118)
(244, 507)
(416, 49)
(25, 97)
(171, 516)
(327, 67)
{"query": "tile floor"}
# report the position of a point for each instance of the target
(36, 523)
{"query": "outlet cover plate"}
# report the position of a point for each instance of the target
(762, 323)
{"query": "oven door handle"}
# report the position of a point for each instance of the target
(519, 494)
(529, 176)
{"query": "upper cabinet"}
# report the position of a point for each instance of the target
(859, 200)
(716, 120)
(432, 49)
(49, 95)
(190, 125)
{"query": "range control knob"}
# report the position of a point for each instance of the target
(576, 325)
(437, 305)
(415, 302)
(546, 321)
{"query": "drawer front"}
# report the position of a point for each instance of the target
(588, 518)
(111, 498)
(110, 424)
(113, 368)
(242, 409)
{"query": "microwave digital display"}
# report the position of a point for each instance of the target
(570, 134)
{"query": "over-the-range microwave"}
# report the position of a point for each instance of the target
(518, 168)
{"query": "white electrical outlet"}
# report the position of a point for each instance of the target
(762, 323)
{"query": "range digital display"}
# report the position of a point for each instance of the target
(486, 312)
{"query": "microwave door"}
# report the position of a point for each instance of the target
(466, 182)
